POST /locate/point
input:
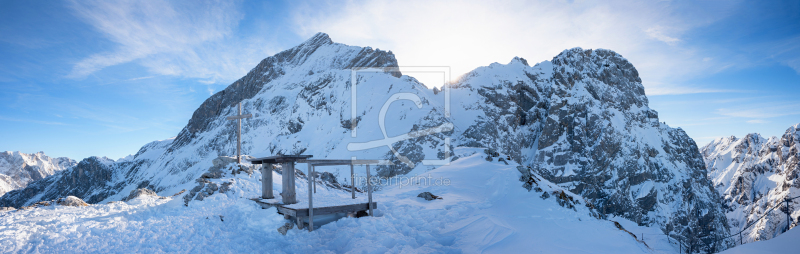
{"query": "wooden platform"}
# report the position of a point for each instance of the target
(289, 205)
(303, 212)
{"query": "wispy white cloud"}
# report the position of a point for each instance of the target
(660, 34)
(192, 39)
(2, 118)
(761, 111)
(469, 34)
(756, 121)
(658, 88)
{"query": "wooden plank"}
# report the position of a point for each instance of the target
(303, 212)
(266, 181)
(369, 190)
(239, 117)
(289, 211)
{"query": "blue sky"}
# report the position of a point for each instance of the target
(83, 78)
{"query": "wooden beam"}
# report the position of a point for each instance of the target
(280, 159)
(290, 212)
(304, 212)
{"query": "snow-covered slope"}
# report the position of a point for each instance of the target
(17, 169)
(754, 174)
(480, 213)
(580, 121)
(784, 243)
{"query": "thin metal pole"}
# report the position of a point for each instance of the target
(352, 182)
(369, 191)
(315, 180)
(239, 137)
(310, 199)
(788, 222)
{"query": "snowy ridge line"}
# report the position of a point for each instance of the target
(759, 219)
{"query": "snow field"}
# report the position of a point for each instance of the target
(484, 209)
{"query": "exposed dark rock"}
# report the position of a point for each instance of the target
(138, 193)
(428, 196)
(71, 201)
(285, 228)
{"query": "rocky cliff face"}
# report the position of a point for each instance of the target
(17, 169)
(581, 120)
(754, 174)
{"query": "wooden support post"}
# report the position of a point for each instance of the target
(289, 194)
(299, 222)
(352, 182)
(310, 198)
(266, 181)
(369, 191)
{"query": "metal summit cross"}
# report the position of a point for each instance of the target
(239, 132)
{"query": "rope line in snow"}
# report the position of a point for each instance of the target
(759, 218)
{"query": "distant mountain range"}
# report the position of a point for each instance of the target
(581, 121)
(754, 174)
(17, 169)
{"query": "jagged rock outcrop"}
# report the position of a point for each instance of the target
(754, 174)
(582, 121)
(139, 193)
(18, 169)
(71, 201)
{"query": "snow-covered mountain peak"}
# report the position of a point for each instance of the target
(18, 169)
(314, 59)
(753, 173)
(519, 60)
